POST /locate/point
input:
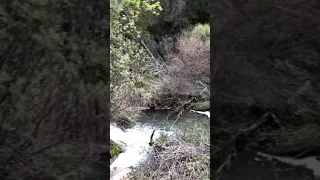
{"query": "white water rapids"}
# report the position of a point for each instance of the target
(136, 146)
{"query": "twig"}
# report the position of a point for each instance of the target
(151, 138)
(226, 163)
(255, 125)
(176, 119)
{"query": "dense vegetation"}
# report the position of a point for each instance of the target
(55, 75)
(265, 64)
(154, 59)
(53, 86)
(160, 58)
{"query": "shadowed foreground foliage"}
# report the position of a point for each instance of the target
(265, 63)
(53, 86)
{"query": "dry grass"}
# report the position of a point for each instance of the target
(182, 156)
(189, 69)
(186, 70)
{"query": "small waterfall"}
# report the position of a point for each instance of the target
(135, 142)
(207, 113)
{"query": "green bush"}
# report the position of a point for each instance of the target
(130, 61)
(115, 149)
(202, 31)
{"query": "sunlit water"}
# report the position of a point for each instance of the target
(135, 141)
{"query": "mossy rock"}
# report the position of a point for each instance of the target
(125, 122)
(115, 149)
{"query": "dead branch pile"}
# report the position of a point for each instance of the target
(177, 159)
(231, 140)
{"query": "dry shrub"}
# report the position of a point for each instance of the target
(187, 71)
(181, 159)
(192, 62)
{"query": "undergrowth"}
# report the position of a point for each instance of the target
(184, 155)
(300, 142)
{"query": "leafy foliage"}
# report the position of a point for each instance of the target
(129, 68)
(201, 31)
(177, 15)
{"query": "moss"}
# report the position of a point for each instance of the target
(125, 122)
(115, 149)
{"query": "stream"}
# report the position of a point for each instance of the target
(135, 141)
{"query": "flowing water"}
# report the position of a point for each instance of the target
(135, 141)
